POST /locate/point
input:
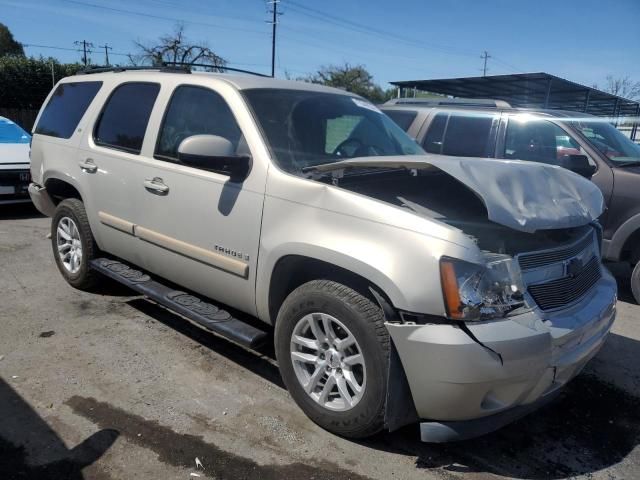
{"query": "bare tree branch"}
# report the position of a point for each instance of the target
(176, 49)
(622, 86)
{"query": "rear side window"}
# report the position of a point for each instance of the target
(467, 136)
(459, 134)
(124, 118)
(432, 142)
(403, 118)
(66, 107)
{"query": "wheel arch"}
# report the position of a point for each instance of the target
(292, 270)
(625, 243)
(61, 188)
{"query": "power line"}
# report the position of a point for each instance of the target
(367, 29)
(508, 65)
(53, 47)
(160, 17)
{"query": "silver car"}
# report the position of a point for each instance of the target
(401, 287)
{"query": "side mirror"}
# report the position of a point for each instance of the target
(215, 154)
(580, 165)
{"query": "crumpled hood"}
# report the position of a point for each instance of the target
(524, 196)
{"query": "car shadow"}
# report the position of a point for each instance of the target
(31, 450)
(591, 426)
(19, 211)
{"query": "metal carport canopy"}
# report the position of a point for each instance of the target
(531, 90)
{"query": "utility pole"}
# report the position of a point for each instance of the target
(274, 23)
(486, 56)
(86, 46)
(53, 76)
(106, 53)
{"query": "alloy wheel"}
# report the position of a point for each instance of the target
(328, 362)
(69, 244)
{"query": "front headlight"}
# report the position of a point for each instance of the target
(481, 292)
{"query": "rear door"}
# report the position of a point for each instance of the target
(198, 228)
(110, 162)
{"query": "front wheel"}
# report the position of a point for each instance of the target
(332, 349)
(73, 244)
(635, 283)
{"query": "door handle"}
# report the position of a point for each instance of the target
(156, 185)
(88, 166)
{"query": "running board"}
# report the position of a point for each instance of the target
(203, 313)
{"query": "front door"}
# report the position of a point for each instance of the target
(198, 228)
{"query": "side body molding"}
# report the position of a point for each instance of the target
(209, 257)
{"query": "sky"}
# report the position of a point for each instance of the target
(580, 40)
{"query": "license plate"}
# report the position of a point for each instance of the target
(7, 190)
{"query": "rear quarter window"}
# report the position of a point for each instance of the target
(402, 118)
(66, 107)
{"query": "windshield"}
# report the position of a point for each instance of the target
(305, 128)
(609, 140)
(12, 133)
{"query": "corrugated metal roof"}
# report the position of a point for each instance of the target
(531, 90)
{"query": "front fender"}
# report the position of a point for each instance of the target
(613, 248)
(404, 264)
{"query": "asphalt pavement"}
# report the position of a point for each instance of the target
(110, 386)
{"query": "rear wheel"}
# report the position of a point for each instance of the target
(73, 244)
(332, 349)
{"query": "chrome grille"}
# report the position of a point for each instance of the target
(533, 260)
(566, 290)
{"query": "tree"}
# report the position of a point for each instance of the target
(177, 49)
(27, 81)
(355, 79)
(8, 45)
(622, 87)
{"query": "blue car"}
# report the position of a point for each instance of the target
(14, 163)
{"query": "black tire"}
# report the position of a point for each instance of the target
(365, 321)
(85, 278)
(635, 283)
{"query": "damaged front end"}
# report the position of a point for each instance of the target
(524, 311)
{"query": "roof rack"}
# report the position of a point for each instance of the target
(167, 67)
(459, 102)
(206, 65)
(161, 68)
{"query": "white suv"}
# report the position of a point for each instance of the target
(403, 287)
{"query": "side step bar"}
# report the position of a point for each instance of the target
(203, 313)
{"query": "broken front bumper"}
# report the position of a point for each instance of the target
(466, 388)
